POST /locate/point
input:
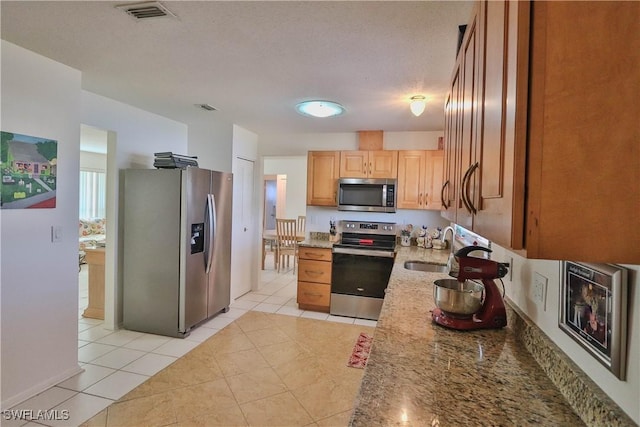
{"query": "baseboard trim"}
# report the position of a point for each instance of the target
(39, 388)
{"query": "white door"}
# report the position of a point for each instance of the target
(242, 264)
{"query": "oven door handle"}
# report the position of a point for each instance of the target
(364, 252)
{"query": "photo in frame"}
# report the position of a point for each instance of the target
(593, 311)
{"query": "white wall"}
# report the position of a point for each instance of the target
(211, 142)
(625, 393)
(297, 144)
(134, 135)
(39, 295)
(295, 168)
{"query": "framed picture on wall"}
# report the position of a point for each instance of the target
(29, 166)
(593, 311)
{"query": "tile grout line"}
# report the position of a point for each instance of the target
(277, 282)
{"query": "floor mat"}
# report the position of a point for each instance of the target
(360, 352)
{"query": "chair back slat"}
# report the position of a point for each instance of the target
(286, 232)
(301, 223)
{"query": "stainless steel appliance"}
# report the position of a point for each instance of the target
(177, 248)
(361, 267)
(367, 195)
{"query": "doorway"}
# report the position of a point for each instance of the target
(270, 202)
(275, 200)
(105, 142)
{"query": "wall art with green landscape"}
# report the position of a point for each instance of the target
(29, 168)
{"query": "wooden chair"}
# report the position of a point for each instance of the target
(302, 220)
(286, 245)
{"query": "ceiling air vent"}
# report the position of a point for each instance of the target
(146, 10)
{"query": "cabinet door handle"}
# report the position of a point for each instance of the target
(370, 168)
(472, 208)
(426, 199)
(319, 273)
(444, 203)
(463, 185)
(312, 294)
(420, 199)
(313, 255)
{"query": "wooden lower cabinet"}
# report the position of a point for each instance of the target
(314, 296)
(314, 279)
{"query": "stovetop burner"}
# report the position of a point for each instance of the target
(367, 235)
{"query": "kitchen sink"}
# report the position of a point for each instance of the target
(425, 266)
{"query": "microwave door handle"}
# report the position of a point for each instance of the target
(384, 195)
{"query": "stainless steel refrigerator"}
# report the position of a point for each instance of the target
(177, 248)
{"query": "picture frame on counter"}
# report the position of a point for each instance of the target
(593, 311)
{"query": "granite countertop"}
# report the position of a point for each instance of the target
(316, 243)
(419, 373)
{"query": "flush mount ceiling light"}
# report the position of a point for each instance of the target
(417, 105)
(320, 108)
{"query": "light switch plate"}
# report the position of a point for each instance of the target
(56, 233)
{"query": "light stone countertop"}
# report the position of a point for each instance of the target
(422, 374)
(316, 243)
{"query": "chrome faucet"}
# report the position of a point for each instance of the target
(443, 239)
(452, 265)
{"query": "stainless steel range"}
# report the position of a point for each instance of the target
(362, 264)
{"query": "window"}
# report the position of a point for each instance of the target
(92, 194)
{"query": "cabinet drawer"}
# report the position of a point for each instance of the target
(314, 254)
(314, 271)
(314, 294)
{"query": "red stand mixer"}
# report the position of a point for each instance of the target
(460, 303)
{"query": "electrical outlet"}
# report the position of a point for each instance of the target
(540, 289)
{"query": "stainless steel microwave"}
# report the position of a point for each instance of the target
(366, 195)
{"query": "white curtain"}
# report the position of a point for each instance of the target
(92, 194)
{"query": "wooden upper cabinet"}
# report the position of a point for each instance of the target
(451, 164)
(434, 173)
(411, 164)
(546, 150)
(322, 177)
(499, 197)
(369, 164)
(420, 179)
(583, 135)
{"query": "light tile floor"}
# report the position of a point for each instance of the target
(117, 362)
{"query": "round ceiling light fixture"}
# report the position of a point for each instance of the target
(320, 108)
(417, 105)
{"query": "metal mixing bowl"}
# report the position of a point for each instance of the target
(456, 297)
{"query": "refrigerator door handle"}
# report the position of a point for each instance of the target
(211, 219)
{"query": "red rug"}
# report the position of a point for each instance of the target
(360, 352)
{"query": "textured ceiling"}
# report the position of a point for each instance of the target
(253, 61)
